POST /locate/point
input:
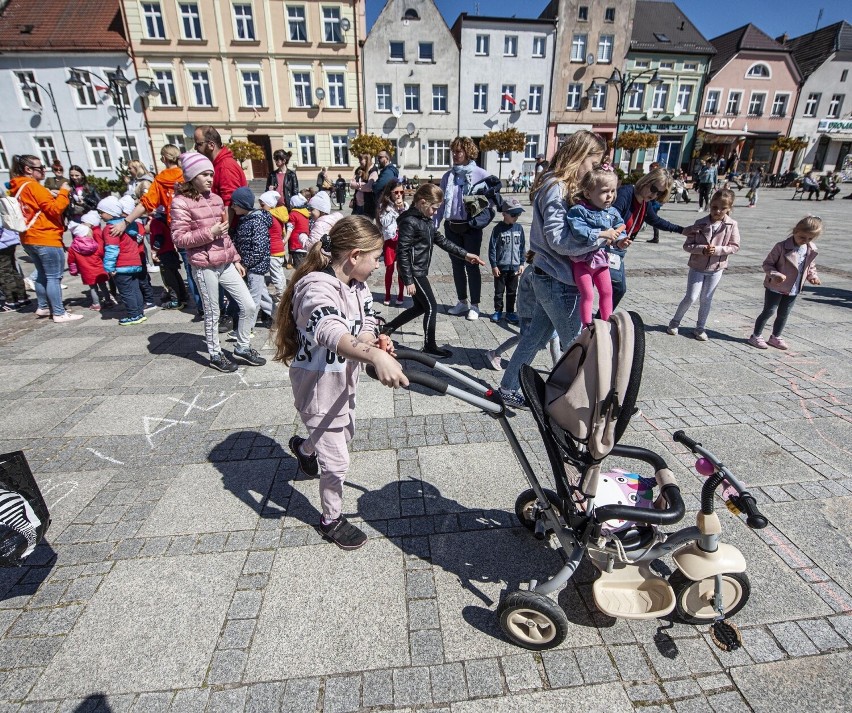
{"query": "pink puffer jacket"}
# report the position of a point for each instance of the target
(191, 221)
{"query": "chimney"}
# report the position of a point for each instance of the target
(782, 39)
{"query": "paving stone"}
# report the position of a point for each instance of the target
(190, 701)
(377, 688)
(419, 585)
(411, 686)
(264, 697)
(426, 647)
(729, 702)
(230, 700)
(714, 682)
(342, 694)
(152, 702)
(595, 665)
(682, 688)
(631, 663)
(761, 646)
(15, 684)
(841, 624)
(227, 667)
(561, 669)
(448, 683)
(820, 632)
(643, 695)
(423, 614)
(301, 695)
(245, 605)
(521, 672)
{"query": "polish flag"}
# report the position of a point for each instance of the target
(509, 98)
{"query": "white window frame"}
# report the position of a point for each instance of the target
(123, 97)
(636, 98)
(531, 147)
(391, 57)
(297, 20)
(641, 64)
(712, 101)
(749, 72)
(335, 88)
(660, 97)
(835, 106)
(383, 106)
(190, 19)
(598, 101)
(25, 78)
(666, 65)
(46, 148)
(252, 99)
(539, 46)
(575, 93)
(430, 57)
(84, 96)
(579, 43)
(685, 91)
(152, 17)
(510, 45)
(199, 83)
(480, 98)
(535, 98)
(505, 106)
(780, 97)
(438, 153)
(440, 94)
(4, 161)
(166, 84)
(690, 66)
(307, 149)
(739, 96)
(99, 157)
(504, 157)
(332, 33)
(483, 45)
(303, 87)
(812, 104)
(411, 94)
(244, 23)
(178, 140)
(340, 150)
(605, 48)
(756, 104)
(128, 152)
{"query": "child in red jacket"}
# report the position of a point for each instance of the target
(299, 229)
(166, 256)
(86, 259)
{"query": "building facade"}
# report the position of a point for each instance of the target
(504, 81)
(823, 114)
(748, 99)
(279, 74)
(592, 39)
(667, 46)
(411, 85)
(95, 125)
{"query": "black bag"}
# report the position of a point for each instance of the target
(24, 517)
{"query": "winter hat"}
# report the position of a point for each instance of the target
(322, 202)
(270, 198)
(81, 231)
(297, 201)
(111, 206)
(127, 204)
(243, 198)
(91, 218)
(192, 163)
(512, 206)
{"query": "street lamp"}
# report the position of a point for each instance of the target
(623, 83)
(117, 81)
(29, 88)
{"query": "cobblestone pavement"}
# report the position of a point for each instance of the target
(182, 573)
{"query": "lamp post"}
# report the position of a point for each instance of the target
(623, 83)
(49, 91)
(117, 81)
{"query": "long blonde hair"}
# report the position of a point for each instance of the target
(354, 232)
(566, 161)
(655, 176)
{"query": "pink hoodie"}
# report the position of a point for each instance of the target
(320, 227)
(326, 311)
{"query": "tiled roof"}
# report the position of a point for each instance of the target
(812, 49)
(61, 25)
(747, 37)
(654, 20)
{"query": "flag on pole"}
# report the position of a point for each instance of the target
(509, 98)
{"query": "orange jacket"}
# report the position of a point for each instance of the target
(162, 190)
(48, 228)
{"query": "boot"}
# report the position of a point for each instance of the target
(434, 350)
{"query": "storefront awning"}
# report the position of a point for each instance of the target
(723, 136)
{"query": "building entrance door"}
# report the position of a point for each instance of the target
(260, 168)
(668, 151)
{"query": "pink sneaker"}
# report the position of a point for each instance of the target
(95, 308)
(67, 317)
(494, 361)
(42, 312)
(757, 341)
(777, 342)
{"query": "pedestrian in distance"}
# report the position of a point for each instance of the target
(340, 186)
(123, 261)
(283, 179)
(707, 178)
(505, 254)
(789, 264)
(326, 330)
(754, 182)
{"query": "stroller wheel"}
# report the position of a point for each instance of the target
(525, 507)
(532, 620)
(694, 600)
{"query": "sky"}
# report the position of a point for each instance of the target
(711, 17)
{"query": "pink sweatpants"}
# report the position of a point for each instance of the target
(587, 279)
(331, 447)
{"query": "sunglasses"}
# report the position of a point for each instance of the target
(657, 191)
(38, 168)
(398, 193)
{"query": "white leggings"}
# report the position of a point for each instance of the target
(698, 283)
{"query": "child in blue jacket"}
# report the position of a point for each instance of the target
(251, 238)
(122, 262)
(505, 253)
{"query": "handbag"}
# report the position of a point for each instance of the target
(616, 263)
(24, 517)
(352, 203)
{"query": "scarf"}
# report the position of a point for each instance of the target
(462, 177)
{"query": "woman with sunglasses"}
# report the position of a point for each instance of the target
(635, 205)
(42, 240)
(391, 205)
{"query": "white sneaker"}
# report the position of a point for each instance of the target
(29, 284)
(473, 313)
(671, 330)
(461, 308)
(494, 360)
(153, 268)
(63, 286)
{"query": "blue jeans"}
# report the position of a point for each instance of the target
(128, 284)
(190, 281)
(50, 265)
(556, 306)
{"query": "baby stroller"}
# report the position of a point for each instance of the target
(581, 411)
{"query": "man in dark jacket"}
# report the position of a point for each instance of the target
(387, 173)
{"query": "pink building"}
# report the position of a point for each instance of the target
(749, 99)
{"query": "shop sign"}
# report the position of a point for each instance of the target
(658, 128)
(832, 126)
(719, 122)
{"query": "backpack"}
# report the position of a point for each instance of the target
(12, 213)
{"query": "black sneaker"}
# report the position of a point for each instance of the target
(249, 356)
(224, 325)
(342, 533)
(309, 465)
(222, 363)
(435, 351)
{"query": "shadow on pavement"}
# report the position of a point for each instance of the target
(182, 344)
(829, 296)
(96, 703)
(25, 581)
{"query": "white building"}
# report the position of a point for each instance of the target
(505, 79)
(411, 72)
(92, 125)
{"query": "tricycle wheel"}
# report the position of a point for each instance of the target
(694, 600)
(532, 620)
(526, 503)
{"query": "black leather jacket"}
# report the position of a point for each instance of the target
(417, 235)
(291, 185)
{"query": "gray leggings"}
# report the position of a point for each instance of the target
(701, 284)
(771, 302)
(208, 280)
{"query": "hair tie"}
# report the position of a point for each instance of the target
(325, 243)
(606, 167)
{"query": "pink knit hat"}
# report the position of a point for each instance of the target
(192, 163)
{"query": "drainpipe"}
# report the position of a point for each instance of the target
(357, 70)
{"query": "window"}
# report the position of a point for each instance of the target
(641, 64)
(123, 96)
(843, 75)
(128, 148)
(480, 97)
(575, 96)
(244, 22)
(302, 89)
(296, 23)
(165, 81)
(252, 89)
(661, 37)
(812, 104)
(178, 140)
(583, 13)
(153, 15)
(200, 81)
(510, 46)
(599, 98)
(85, 92)
(190, 20)
(340, 150)
(755, 104)
(609, 14)
(578, 48)
(605, 44)
(835, 105)
(539, 46)
(46, 149)
(384, 100)
(758, 71)
(666, 65)
(482, 45)
(308, 150)
(531, 149)
(504, 157)
(733, 107)
(336, 90)
(4, 162)
(507, 98)
(98, 152)
(29, 91)
(440, 94)
(534, 102)
(690, 67)
(779, 104)
(711, 105)
(331, 25)
(636, 98)
(438, 153)
(425, 52)
(397, 51)
(412, 97)
(684, 98)
(660, 99)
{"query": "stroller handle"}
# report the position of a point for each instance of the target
(672, 514)
(416, 377)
